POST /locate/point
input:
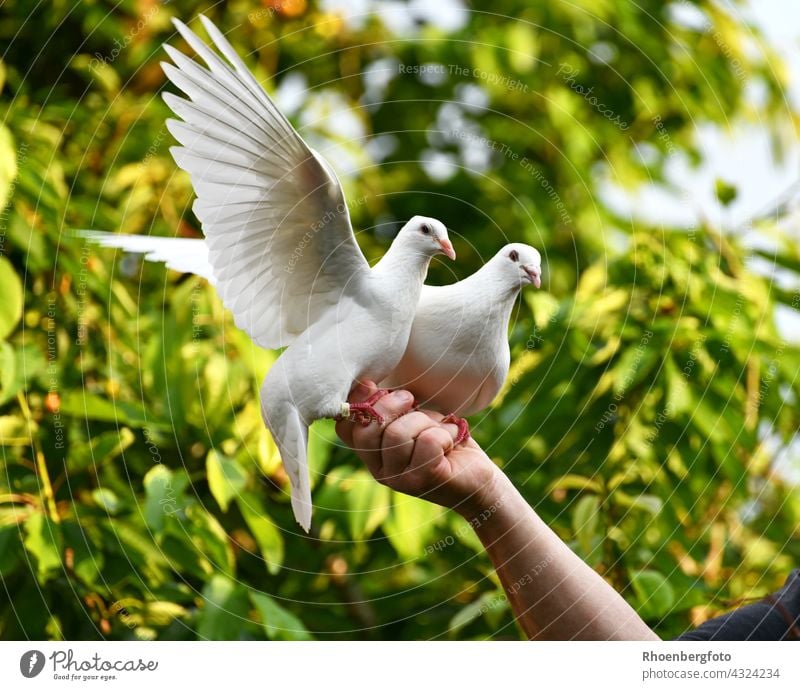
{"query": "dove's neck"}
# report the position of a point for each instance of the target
(493, 292)
(405, 266)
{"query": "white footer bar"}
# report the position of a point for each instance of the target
(400, 665)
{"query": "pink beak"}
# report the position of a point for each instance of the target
(535, 274)
(447, 249)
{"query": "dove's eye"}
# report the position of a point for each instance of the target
(514, 255)
(426, 229)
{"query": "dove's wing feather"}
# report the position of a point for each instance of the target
(276, 224)
(178, 253)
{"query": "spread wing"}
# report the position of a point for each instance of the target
(279, 237)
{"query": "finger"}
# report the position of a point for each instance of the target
(367, 439)
(429, 467)
(344, 430)
(398, 442)
(450, 428)
(362, 390)
(432, 445)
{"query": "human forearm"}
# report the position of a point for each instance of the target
(553, 593)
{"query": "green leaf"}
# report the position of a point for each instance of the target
(85, 405)
(647, 502)
(266, 533)
(494, 602)
(103, 448)
(8, 161)
(8, 373)
(225, 609)
(411, 526)
(279, 623)
(132, 545)
(367, 503)
(226, 478)
(10, 289)
(107, 500)
(726, 193)
(10, 548)
(163, 496)
(19, 368)
(210, 538)
(43, 540)
(14, 431)
(654, 594)
(677, 399)
(87, 558)
(586, 522)
(575, 481)
(321, 439)
(162, 612)
(633, 366)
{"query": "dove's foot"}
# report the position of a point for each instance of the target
(365, 412)
(463, 428)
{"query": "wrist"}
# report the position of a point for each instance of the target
(488, 499)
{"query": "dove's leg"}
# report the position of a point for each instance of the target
(463, 428)
(364, 412)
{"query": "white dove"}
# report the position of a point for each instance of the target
(457, 357)
(281, 252)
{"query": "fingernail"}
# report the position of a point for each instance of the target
(403, 397)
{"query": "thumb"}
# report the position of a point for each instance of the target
(362, 390)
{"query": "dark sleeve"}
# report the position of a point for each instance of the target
(775, 617)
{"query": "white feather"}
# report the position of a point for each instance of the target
(178, 253)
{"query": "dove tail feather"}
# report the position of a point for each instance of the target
(291, 435)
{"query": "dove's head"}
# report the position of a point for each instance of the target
(521, 263)
(429, 236)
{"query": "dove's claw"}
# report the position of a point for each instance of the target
(377, 395)
(463, 428)
(364, 412)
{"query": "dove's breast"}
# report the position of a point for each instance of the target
(354, 340)
(457, 358)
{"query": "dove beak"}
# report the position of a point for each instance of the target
(447, 249)
(534, 275)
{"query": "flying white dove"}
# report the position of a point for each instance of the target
(457, 357)
(281, 252)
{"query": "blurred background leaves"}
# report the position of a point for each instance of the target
(652, 402)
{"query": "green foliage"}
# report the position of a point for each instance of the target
(141, 497)
(11, 306)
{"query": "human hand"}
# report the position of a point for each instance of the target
(412, 452)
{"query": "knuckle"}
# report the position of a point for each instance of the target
(430, 444)
(395, 435)
(429, 437)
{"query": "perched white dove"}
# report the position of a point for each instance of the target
(457, 357)
(281, 252)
